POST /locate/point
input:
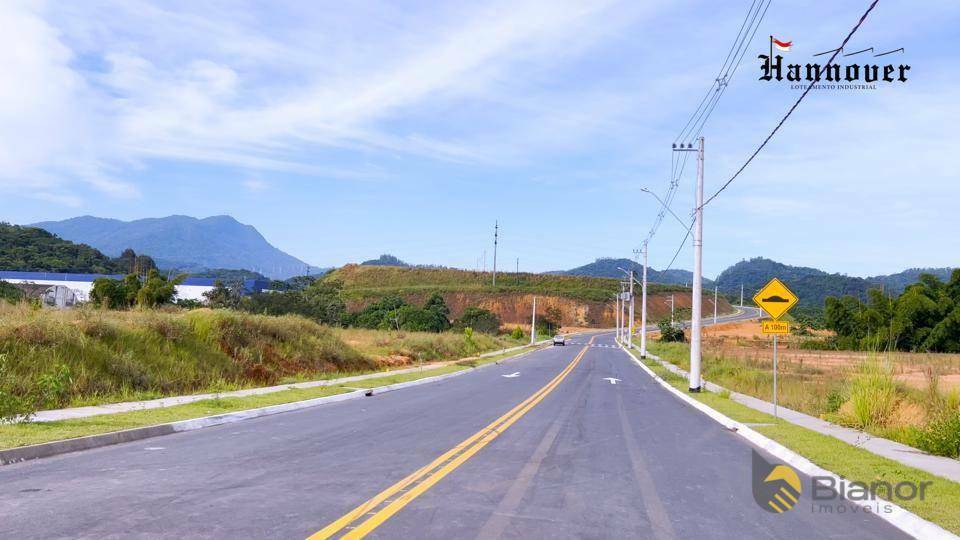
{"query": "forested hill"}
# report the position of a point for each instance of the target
(813, 285)
(610, 268)
(30, 249)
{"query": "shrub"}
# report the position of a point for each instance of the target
(942, 435)
(480, 320)
(670, 333)
(517, 333)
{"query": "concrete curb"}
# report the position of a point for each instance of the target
(900, 518)
(173, 401)
(943, 467)
(43, 450)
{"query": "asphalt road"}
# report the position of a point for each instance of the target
(581, 458)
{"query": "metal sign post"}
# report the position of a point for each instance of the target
(776, 300)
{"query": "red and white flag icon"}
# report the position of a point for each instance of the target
(782, 45)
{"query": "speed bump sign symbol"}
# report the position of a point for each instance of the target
(775, 298)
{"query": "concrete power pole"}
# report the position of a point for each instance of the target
(623, 312)
(695, 353)
(671, 310)
(630, 325)
(715, 304)
(495, 230)
(616, 317)
(697, 300)
(643, 305)
(533, 323)
(741, 295)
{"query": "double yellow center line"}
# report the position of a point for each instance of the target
(391, 500)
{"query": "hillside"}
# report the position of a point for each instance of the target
(29, 249)
(580, 300)
(813, 285)
(896, 283)
(385, 260)
(183, 242)
(606, 267)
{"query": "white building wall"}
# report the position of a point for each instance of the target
(82, 288)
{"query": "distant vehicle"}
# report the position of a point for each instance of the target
(559, 340)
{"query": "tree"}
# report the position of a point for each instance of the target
(115, 293)
(223, 297)
(481, 320)
(324, 301)
(158, 290)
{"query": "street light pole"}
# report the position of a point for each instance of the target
(630, 320)
(643, 305)
(715, 287)
(697, 300)
(533, 323)
(616, 317)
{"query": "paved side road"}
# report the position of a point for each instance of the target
(591, 458)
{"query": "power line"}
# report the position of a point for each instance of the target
(698, 119)
(744, 37)
(792, 108)
(733, 46)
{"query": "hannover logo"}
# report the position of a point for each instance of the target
(776, 487)
(773, 68)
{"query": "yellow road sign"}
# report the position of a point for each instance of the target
(775, 327)
(775, 298)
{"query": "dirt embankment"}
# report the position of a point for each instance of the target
(515, 308)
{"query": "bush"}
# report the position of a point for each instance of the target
(10, 293)
(480, 320)
(517, 333)
(670, 333)
(942, 435)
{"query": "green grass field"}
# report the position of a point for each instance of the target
(27, 433)
(53, 359)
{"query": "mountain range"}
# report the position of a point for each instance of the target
(610, 268)
(184, 243)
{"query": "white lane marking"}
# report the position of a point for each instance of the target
(512, 375)
(613, 380)
(154, 448)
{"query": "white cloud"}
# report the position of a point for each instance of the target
(255, 185)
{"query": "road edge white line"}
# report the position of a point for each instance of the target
(900, 518)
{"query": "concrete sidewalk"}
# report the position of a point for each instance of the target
(114, 408)
(944, 467)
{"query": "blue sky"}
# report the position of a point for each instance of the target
(342, 130)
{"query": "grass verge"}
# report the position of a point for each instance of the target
(941, 506)
(27, 433)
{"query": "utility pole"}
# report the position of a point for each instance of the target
(741, 295)
(697, 300)
(715, 287)
(496, 226)
(643, 304)
(630, 321)
(623, 312)
(616, 316)
(533, 323)
(671, 309)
